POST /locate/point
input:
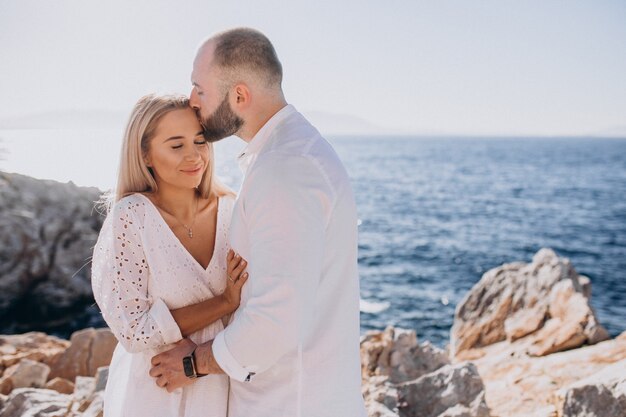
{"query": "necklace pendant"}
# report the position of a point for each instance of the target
(190, 233)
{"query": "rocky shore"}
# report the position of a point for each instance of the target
(525, 342)
(47, 233)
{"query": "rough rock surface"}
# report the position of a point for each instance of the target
(60, 385)
(47, 232)
(35, 346)
(27, 374)
(600, 395)
(30, 357)
(32, 402)
(454, 390)
(545, 300)
(519, 385)
(394, 363)
(89, 350)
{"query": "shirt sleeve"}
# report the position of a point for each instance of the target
(120, 284)
(286, 209)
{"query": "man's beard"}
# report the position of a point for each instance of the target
(222, 123)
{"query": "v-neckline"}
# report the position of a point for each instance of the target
(177, 240)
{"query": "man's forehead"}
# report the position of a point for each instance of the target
(202, 62)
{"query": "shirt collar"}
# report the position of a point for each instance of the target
(250, 152)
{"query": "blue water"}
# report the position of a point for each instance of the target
(436, 213)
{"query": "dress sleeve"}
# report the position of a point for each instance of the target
(119, 276)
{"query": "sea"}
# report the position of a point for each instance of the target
(435, 213)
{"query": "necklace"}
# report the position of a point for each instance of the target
(189, 228)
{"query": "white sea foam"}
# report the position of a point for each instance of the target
(373, 307)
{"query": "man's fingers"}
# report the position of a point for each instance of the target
(231, 255)
(156, 360)
(161, 382)
(155, 371)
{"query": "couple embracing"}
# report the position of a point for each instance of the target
(230, 305)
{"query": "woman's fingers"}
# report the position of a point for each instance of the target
(236, 273)
(242, 280)
(234, 262)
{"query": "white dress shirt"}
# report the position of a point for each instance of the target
(292, 348)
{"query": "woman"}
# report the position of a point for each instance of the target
(162, 269)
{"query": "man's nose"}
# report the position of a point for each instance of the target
(193, 100)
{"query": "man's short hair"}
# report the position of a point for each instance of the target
(245, 50)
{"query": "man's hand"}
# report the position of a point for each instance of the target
(167, 367)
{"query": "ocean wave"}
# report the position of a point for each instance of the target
(373, 307)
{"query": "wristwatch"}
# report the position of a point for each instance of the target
(189, 365)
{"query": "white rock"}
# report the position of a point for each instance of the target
(28, 374)
(600, 395)
(33, 402)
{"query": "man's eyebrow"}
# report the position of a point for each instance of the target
(195, 84)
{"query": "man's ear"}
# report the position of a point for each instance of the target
(242, 96)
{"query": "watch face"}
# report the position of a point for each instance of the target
(188, 367)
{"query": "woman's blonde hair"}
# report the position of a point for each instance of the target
(134, 176)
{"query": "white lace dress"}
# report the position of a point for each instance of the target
(140, 271)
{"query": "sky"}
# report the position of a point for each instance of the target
(492, 67)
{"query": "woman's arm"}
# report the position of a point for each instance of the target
(197, 316)
(119, 276)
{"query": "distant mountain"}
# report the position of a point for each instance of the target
(67, 119)
(345, 124)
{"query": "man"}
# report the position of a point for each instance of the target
(292, 348)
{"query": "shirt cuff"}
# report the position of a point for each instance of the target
(165, 322)
(226, 361)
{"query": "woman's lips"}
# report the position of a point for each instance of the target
(192, 171)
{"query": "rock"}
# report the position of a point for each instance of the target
(454, 390)
(391, 357)
(33, 402)
(96, 405)
(571, 323)
(89, 350)
(518, 300)
(35, 346)
(102, 375)
(396, 353)
(28, 374)
(600, 395)
(84, 387)
(6, 385)
(47, 232)
(60, 385)
(519, 385)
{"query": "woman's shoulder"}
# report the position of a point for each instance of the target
(132, 206)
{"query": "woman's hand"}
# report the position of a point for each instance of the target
(236, 277)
